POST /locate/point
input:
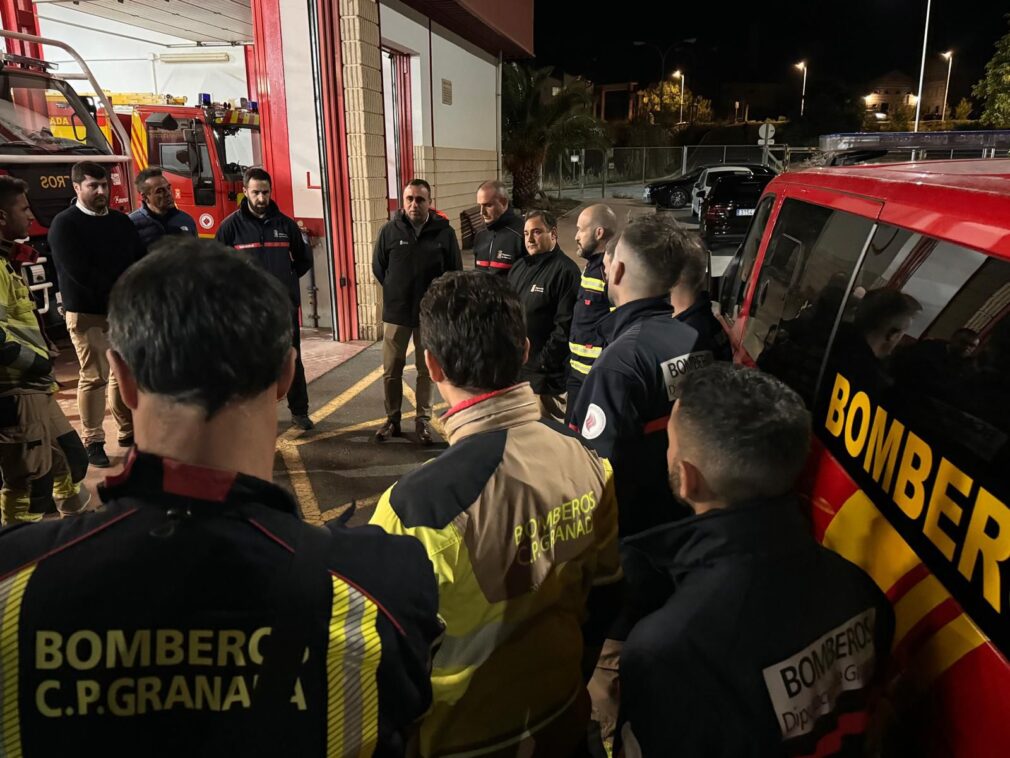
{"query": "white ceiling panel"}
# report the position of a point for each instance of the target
(206, 21)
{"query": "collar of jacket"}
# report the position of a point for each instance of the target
(496, 410)
(505, 219)
(703, 301)
(146, 477)
(434, 223)
(540, 259)
(772, 526)
(272, 210)
(617, 321)
(162, 217)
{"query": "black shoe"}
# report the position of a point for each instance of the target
(423, 429)
(126, 442)
(389, 429)
(97, 456)
(302, 421)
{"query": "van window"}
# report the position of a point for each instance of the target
(734, 281)
(915, 404)
(801, 285)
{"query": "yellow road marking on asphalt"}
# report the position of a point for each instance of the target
(300, 482)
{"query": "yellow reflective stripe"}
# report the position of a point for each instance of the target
(352, 661)
(586, 351)
(591, 283)
(12, 591)
(579, 366)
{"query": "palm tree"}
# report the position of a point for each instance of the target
(534, 122)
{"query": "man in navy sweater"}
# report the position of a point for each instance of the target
(92, 246)
(158, 215)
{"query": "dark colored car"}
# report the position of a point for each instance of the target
(673, 192)
(727, 210)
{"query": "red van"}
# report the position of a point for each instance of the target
(882, 295)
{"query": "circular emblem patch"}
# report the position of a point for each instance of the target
(595, 423)
(206, 220)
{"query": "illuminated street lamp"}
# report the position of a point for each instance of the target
(678, 74)
(949, 55)
(802, 66)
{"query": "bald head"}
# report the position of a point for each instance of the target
(596, 226)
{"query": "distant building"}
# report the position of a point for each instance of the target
(615, 102)
(896, 88)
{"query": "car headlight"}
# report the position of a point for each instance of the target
(647, 194)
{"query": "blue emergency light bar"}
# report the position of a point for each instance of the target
(204, 99)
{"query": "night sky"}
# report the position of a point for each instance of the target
(850, 42)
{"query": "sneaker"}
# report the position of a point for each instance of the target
(126, 442)
(389, 429)
(423, 429)
(97, 456)
(74, 506)
(302, 421)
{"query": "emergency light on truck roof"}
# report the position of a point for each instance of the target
(204, 99)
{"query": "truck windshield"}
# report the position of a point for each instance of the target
(236, 149)
(40, 115)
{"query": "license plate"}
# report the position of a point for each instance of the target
(745, 211)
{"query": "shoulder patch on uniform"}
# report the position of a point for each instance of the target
(595, 423)
(435, 494)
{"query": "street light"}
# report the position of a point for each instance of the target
(922, 69)
(949, 55)
(802, 66)
(662, 63)
(678, 74)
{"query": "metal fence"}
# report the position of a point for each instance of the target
(588, 171)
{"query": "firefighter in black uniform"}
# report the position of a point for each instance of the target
(497, 247)
(546, 281)
(276, 244)
(693, 306)
(595, 228)
(765, 643)
(195, 613)
(624, 404)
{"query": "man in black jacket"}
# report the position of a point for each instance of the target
(275, 243)
(411, 251)
(497, 247)
(692, 305)
(158, 214)
(547, 282)
(769, 644)
(594, 230)
(92, 246)
(233, 627)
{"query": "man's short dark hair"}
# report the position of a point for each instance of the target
(10, 190)
(881, 310)
(473, 324)
(256, 174)
(661, 247)
(150, 172)
(746, 431)
(87, 168)
(548, 218)
(692, 274)
(420, 183)
(498, 186)
(199, 323)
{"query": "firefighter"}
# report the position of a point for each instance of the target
(547, 282)
(693, 306)
(412, 249)
(195, 613)
(497, 247)
(275, 243)
(595, 228)
(41, 456)
(541, 530)
(158, 214)
(770, 644)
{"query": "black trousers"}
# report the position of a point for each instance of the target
(298, 395)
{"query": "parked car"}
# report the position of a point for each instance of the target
(709, 176)
(672, 191)
(728, 208)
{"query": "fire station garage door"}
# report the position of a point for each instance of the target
(205, 21)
